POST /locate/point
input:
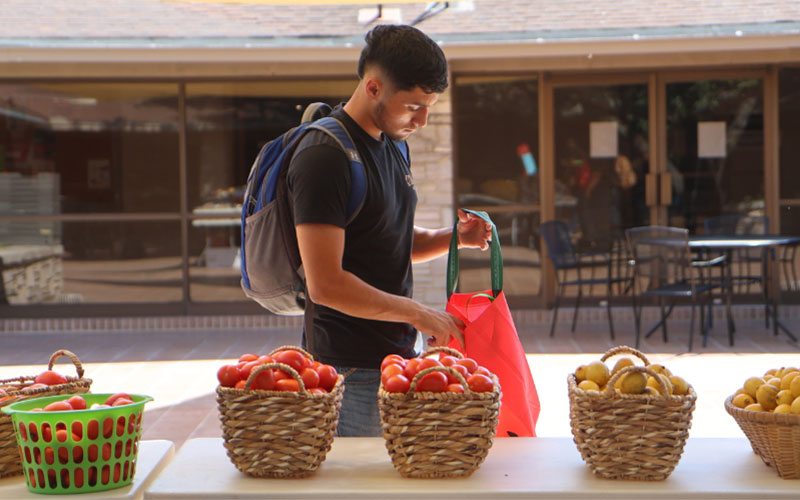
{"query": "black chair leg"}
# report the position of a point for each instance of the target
(703, 323)
(608, 311)
(637, 319)
(555, 310)
(663, 319)
(577, 305)
(731, 327)
(691, 328)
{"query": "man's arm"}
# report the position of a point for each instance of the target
(473, 232)
(321, 249)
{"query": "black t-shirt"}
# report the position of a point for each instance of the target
(377, 241)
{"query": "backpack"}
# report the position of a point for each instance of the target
(272, 272)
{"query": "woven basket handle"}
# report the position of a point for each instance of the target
(624, 349)
(292, 348)
(448, 350)
(420, 374)
(638, 369)
(280, 366)
(71, 356)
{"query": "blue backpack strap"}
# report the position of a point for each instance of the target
(358, 189)
(403, 147)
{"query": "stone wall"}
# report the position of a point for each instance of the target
(32, 274)
(432, 167)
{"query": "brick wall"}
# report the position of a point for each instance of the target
(432, 167)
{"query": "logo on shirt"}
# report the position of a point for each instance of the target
(409, 180)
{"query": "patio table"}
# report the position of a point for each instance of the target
(734, 242)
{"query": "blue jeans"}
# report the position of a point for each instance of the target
(359, 415)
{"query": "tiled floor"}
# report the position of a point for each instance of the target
(178, 367)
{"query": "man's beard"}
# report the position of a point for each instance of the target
(382, 124)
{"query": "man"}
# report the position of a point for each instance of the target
(358, 274)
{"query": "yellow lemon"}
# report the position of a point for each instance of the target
(767, 396)
(786, 380)
(794, 386)
(580, 373)
(795, 408)
(620, 364)
(784, 397)
(770, 373)
(740, 391)
(782, 409)
(651, 391)
(660, 369)
(742, 400)
(652, 382)
(679, 386)
(633, 383)
(589, 385)
(597, 371)
(751, 385)
(776, 381)
(754, 407)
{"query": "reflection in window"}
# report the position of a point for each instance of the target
(98, 148)
(715, 150)
(497, 151)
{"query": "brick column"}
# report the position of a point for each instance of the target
(432, 167)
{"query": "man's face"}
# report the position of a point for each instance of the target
(399, 114)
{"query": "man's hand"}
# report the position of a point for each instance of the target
(473, 232)
(440, 325)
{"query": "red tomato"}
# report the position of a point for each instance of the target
(433, 382)
(391, 370)
(36, 386)
(49, 377)
(244, 370)
(470, 363)
(122, 402)
(452, 379)
(448, 360)
(114, 397)
(77, 402)
(457, 387)
(327, 377)
(412, 367)
(397, 383)
(58, 406)
(317, 390)
(240, 384)
(315, 365)
(482, 371)
(228, 375)
(287, 384)
(62, 435)
(265, 359)
(393, 358)
(427, 363)
(264, 380)
(246, 358)
(295, 359)
(480, 383)
(310, 378)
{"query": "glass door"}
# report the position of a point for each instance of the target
(714, 150)
(601, 139)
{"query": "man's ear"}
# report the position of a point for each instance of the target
(373, 87)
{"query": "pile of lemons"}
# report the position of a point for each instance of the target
(778, 391)
(594, 377)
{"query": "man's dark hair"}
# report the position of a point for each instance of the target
(407, 56)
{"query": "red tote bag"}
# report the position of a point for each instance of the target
(491, 339)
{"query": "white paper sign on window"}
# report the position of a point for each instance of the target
(711, 139)
(603, 139)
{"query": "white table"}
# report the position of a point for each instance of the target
(538, 468)
(153, 456)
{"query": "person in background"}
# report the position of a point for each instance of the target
(358, 275)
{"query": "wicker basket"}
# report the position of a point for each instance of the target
(442, 434)
(630, 436)
(278, 434)
(17, 390)
(775, 437)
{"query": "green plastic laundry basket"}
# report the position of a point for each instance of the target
(77, 451)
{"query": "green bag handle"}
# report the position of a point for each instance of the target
(495, 259)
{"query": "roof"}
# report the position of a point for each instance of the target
(206, 23)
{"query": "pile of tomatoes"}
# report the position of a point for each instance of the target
(44, 379)
(318, 378)
(397, 373)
